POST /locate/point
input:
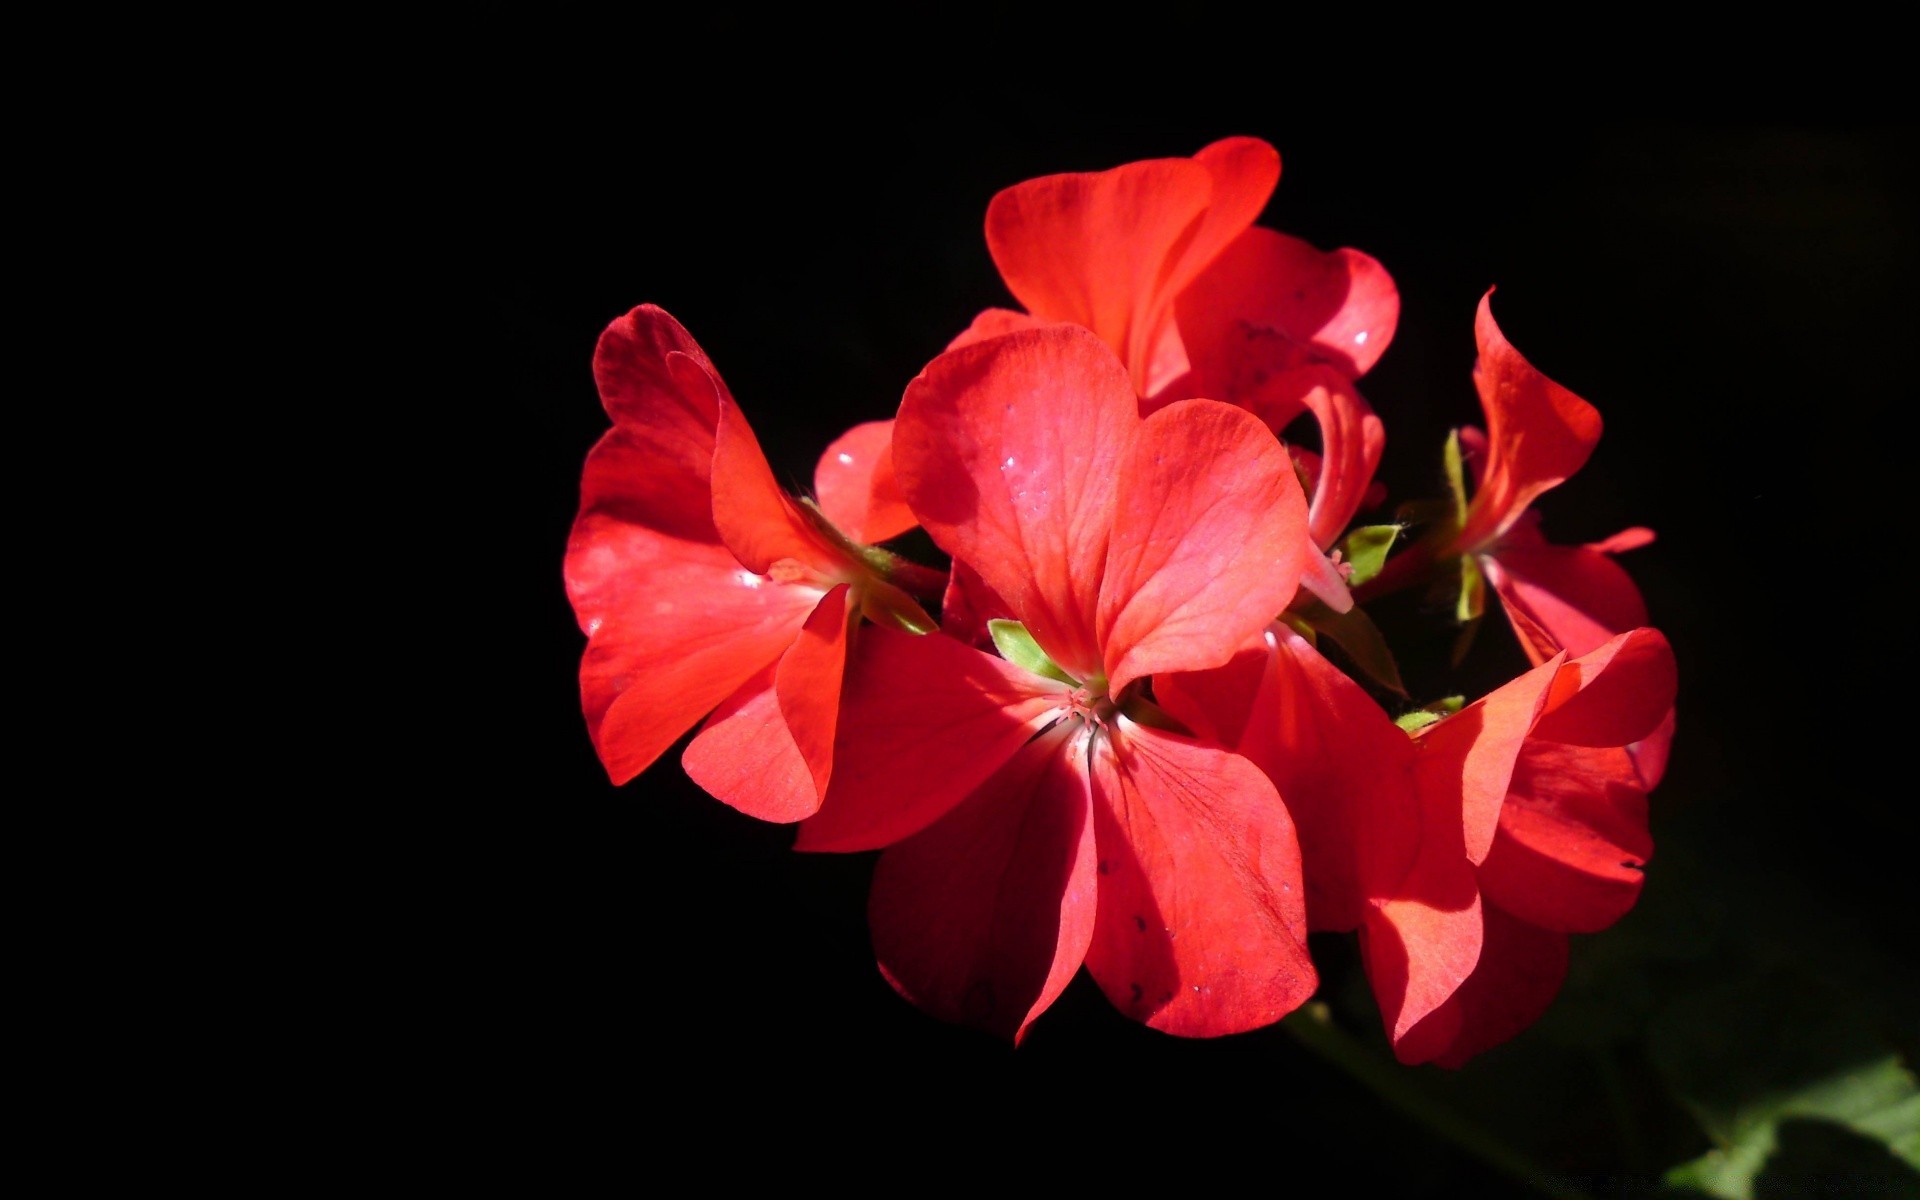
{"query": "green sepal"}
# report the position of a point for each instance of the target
(884, 604)
(1456, 476)
(1017, 646)
(1365, 550)
(1472, 600)
(1358, 637)
(1426, 715)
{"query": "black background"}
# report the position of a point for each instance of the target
(639, 962)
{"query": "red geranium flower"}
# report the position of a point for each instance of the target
(1035, 819)
(1465, 854)
(703, 588)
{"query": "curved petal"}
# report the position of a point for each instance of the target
(1201, 927)
(1573, 839)
(923, 722)
(854, 482)
(1420, 948)
(1270, 303)
(1538, 433)
(1520, 972)
(1100, 249)
(1562, 597)
(758, 520)
(968, 605)
(1341, 765)
(1612, 695)
(659, 388)
(808, 683)
(744, 756)
(1008, 452)
(673, 626)
(993, 322)
(1351, 439)
(1209, 541)
(1468, 757)
(1650, 753)
(983, 917)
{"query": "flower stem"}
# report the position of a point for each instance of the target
(1313, 1026)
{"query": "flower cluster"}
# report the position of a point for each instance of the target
(1107, 733)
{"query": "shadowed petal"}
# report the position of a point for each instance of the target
(808, 683)
(983, 917)
(923, 721)
(1538, 433)
(855, 485)
(1008, 451)
(1352, 439)
(1270, 303)
(1568, 598)
(1209, 541)
(1201, 928)
(1573, 839)
(1469, 756)
(968, 605)
(758, 520)
(744, 756)
(1521, 969)
(659, 388)
(1341, 765)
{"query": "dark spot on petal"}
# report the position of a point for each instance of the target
(1106, 868)
(1137, 993)
(1634, 866)
(1140, 922)
(1166, 998)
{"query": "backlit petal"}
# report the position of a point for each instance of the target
(1209, 541)
(744, 756)
(760, 523)
(1469, 756)
(1201, 929)
(855, 486)
(1538, 433)
(1612, 695)
(1569, 598)
(1009, 451)
(1521, 969)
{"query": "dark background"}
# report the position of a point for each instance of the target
(1736, 299)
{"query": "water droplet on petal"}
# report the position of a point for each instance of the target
(847, 459)
(1360, 339)
(1008, 463)
(749, 579)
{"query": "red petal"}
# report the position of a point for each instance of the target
(1008, 452)
(1538, 433)
(855, 485)
(1201, 930)
(1615, 694)
(993, 322)
(1468, 758)
(758, 520)
(744, 756)
(674, 626)
(1270, 303)
(1573, 839)
(659, 388)
(1627, 539)
(984, 917)
(1209, 541)
(923, 722)
(1351, 439)
(968, 605)
(1521, 969)
(808, 683)
(1420, 949)
(1340, 764)
(1650, 753)
(1568, 598)
(1100, 249)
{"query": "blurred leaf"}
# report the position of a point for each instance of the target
(1749, 1058)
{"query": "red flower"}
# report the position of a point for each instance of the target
(1465, 854)
(703, 588)
(1034, 820)
(1162, 260)
(1554, 815)
(1571, 598)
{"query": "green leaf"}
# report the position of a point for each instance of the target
(1018, 647)
(1472, 600)
(1365, 549)
(1789, 1079)
(1359, 638)
(1426, 715)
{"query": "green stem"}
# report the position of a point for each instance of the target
(1313, 1026)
